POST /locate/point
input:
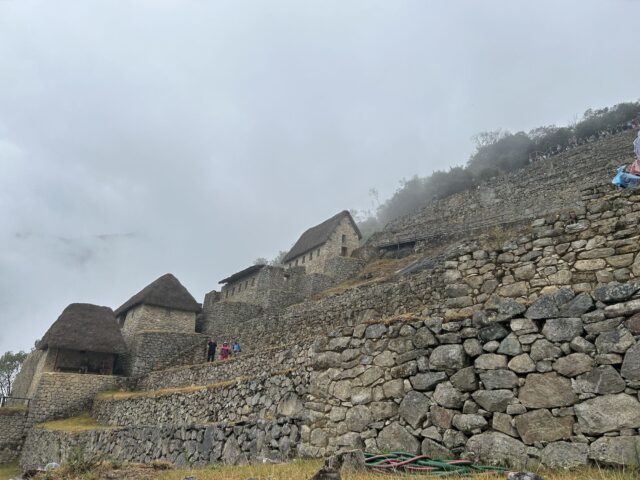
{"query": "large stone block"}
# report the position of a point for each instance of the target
(493, 400)
(547, 390)
(495, 448)
(395, 437)
(565, 455)
(616, 451)
(448, 358)
(562, 329)
(414, 408)
(608, 413)
(541, 426)
(631, 363)
(601, 380)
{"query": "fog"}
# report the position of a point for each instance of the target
(184, 136)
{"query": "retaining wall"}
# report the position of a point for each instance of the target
(61, 395)
(13, 424)
(529, 354)
(265, 362)
(155, 350)
(244, 400)
(556, 382)
(545, 186)
(187, 446)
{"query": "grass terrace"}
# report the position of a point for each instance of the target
(82, 423)
(297, 470)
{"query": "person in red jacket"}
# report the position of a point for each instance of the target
(225, 351)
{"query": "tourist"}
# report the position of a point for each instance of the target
(211, 351)
(634, 168)
(236, 347)
(224, 351)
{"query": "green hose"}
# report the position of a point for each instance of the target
(403, 462)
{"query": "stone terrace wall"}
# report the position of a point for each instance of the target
(61, 395)
(556, 382)
(186, 446)
(155, 350)
(545, 186)
(265, 362)
(597, 244)
(262, 397)
(21, 386)
(304, 321)
(592, 243)
(13, 423)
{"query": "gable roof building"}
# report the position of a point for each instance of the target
(316, 236)
(336, 236)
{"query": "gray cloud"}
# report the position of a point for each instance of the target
(142, 137)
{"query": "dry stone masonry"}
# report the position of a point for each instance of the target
(13, 422)
(192, 446)
(262, 397)
(513, 384)
(519, 346)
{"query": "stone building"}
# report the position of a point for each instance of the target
(84, 339)
(163, 305)
(159, 326)
(338, 236)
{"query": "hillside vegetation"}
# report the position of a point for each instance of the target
(497, 152)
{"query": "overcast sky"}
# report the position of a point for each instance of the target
(145, 137)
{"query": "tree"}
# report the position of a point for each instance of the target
(260, 261)
(9, 366)
(277, 260)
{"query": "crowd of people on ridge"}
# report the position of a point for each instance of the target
(226, 351)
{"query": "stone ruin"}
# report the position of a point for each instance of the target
(515, 345)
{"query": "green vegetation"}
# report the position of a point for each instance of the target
(300, 469)
(9, 367)
(8, 471)
(496, 152)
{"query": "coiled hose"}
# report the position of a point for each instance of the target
(403, 462)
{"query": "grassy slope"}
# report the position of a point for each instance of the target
(9, 471)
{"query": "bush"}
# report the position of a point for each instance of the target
(78, 463)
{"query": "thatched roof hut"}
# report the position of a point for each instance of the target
(85, 327)
(165, 292)
(318, 235)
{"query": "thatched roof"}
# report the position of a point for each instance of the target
(166, 291)
(86, 327)
(243, 273)
(318, 235)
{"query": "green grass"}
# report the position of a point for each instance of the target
(8, 471)
(81, 423)
(296, 470)
(304, 469)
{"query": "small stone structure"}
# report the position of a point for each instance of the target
(163, 305)
(159, 326)
(337, 236)
(84, 339)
